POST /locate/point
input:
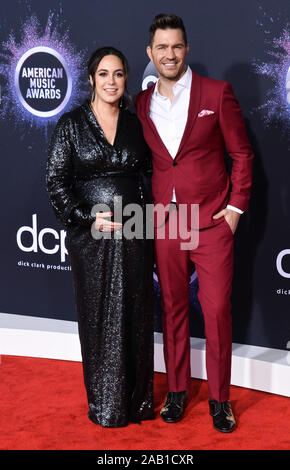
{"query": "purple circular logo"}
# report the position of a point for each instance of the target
(43, 81)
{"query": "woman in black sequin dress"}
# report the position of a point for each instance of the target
(97, 152)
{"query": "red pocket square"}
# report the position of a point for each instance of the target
(205, 112)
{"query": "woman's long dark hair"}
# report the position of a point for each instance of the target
(96, 58)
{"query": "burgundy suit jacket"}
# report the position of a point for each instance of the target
(198, 172)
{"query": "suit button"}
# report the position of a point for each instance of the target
(174, 163)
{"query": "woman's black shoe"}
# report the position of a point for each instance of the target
(174, 407)
(222, 415)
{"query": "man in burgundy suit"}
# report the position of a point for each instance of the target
(188, 121)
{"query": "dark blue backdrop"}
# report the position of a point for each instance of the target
(244, 42)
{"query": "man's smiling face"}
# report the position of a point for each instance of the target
(168, 52)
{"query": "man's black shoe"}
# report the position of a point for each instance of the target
(174, 407)
(222, 415)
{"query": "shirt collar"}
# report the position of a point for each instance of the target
(184, 81)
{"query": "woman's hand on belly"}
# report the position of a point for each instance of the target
(104, 225)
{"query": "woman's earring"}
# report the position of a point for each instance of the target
(121, 102)
(93, 96)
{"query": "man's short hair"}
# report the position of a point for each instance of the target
(165, 21)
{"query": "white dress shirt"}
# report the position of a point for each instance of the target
(170, 118)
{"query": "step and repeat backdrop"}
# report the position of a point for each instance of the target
(44, 50)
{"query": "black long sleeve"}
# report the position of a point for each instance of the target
(60, 178)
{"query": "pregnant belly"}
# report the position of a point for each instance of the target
(110, 193)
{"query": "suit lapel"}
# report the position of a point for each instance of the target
(151, 123)
(193, 108)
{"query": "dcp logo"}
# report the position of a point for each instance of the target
(279, 261)
(36, 241)
(43, 81)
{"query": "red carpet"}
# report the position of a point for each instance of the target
(43, 407)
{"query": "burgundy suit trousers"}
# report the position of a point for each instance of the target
(213, 260)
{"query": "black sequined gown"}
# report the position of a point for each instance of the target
(113, 280)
